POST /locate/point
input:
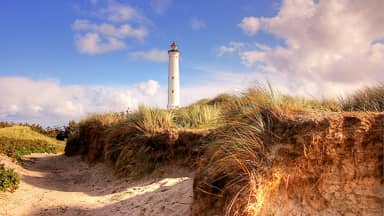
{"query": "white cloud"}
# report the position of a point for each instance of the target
(154, 55)
(109, 30)
(160, 6)
(218, 81)
(232, 47)
(151, 87)
(197, 23)
(250, 25)
(93, 37)
(91, 43)
(331, 46)
(12, 109)
(119, 12)
(49, 102)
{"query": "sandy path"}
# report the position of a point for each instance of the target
(60, 185)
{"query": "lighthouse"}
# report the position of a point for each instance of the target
(173, 78)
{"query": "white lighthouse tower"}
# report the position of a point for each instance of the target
(173, 78)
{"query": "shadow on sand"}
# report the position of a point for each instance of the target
(166, 201)
(71, 174)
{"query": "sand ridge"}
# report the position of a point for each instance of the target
(53, 184)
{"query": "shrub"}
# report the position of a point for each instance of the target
(9, 179)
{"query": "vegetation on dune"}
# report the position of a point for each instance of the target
(60, 133)
(228, 138)
(21, 140)
(367, 99)
(87, 137)
(198, 116)
(151, 119)
(237, 155)
(138, 142)
(240, 171)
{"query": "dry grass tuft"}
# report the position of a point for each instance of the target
(237, 153)
(367, 99)
(151, 119)
(87, 139)
(198, 116)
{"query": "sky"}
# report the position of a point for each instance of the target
(63, 60)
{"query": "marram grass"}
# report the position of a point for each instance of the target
(367, 99)
(198, 116)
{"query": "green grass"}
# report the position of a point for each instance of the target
(16, 141)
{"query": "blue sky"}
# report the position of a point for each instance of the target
(38, 39)
(63, 60)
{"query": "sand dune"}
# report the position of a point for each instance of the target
(59, 185)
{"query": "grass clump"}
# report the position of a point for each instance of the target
(151, 118)
(9, 179)
(367, 99)
(221, 99)
(87, 137)
(237, 154)
(198, 116)
(21, 140)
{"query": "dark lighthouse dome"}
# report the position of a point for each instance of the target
(173, 47)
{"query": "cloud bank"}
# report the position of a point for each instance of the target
(49, 102)
(330, 47)
(150, 87)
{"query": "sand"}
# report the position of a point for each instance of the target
(53, 184)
